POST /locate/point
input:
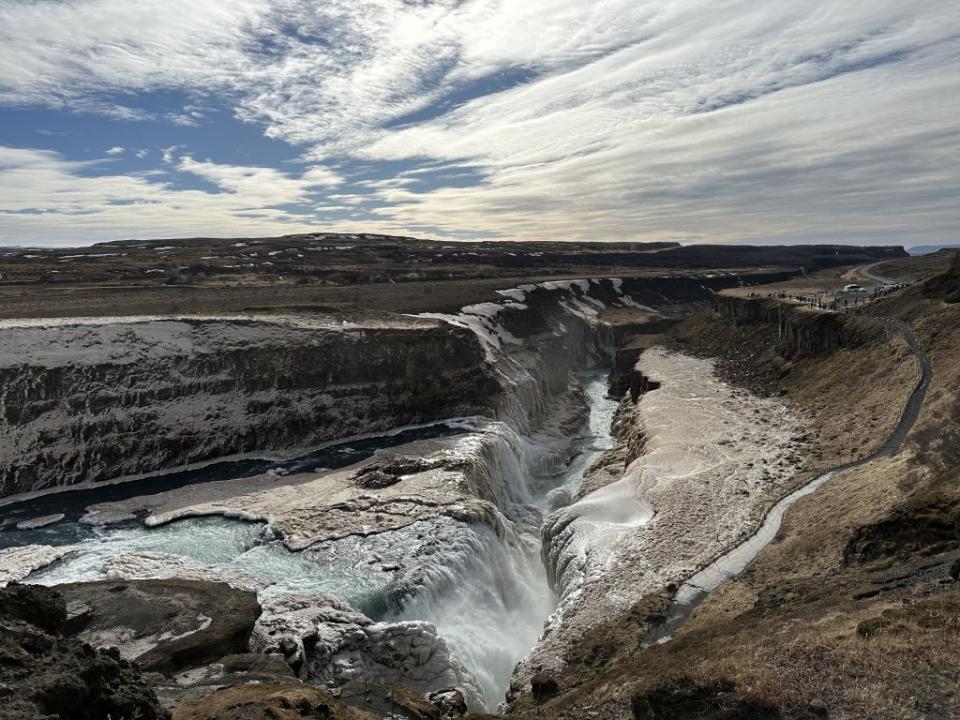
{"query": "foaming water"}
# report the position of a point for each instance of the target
(491, 610)
(596, 439)
(211, 541)
(484, 587)
(487, 595)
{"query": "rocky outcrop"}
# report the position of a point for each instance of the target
(801, 332)
(163, 625)
(94, 401)
(45, 674)
(330, 644)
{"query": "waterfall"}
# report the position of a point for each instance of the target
(479, 579)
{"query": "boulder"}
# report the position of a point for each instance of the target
(165, 625)
(44, 674)
(36, 605)
(450, 702)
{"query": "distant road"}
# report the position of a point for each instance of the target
(866, 272)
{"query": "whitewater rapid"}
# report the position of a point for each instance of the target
(487, 598)
(469, 564)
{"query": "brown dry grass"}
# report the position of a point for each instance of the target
(916, 269)
(907, 670)
(828, 279)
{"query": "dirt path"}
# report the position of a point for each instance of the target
(866, 271)
(734, 562)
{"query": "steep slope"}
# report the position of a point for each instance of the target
(854, 609)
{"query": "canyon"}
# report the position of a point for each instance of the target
(487, 508)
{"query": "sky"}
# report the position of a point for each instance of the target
(773, 121)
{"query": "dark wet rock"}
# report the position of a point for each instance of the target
(543, 687)
(385, 473)
(686, 699)
(376, 480)
(819, 707)
(44, 674)
(36, 605)
(165, 625)
(291, 701)
(450, 702)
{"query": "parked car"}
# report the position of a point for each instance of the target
(853, 287)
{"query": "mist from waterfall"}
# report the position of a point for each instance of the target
(482, 585)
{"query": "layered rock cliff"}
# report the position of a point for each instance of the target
(801, 331)
(85, 403)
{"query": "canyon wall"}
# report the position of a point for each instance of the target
(801, 331)
(91, 402)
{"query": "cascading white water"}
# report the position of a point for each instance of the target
(485, 590)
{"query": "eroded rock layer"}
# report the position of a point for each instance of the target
(93, 401)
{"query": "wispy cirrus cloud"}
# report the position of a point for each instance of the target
(567, 119)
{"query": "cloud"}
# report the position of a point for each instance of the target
(576, 120)
(52, 200)
(191, 116)
(116, 150)
(267, 185)
(167, 153)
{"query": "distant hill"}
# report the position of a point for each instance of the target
(947, 285)
(927, 249)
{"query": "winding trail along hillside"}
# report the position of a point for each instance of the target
(853, 608)
(729, 565)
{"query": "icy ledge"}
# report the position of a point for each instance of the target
(18, 562)
(329, 644)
